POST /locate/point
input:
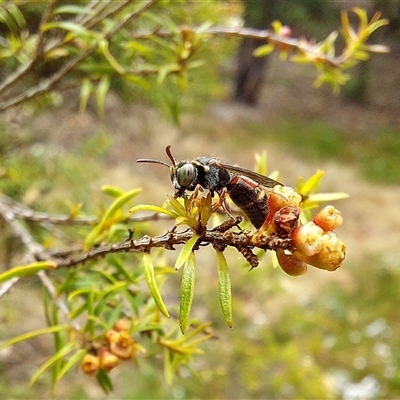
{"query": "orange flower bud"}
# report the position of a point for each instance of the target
(307, 239)
(112, 336)
(282, 196)
(90, 364)
(329, 218)
(290, 264)
(108, 360)
(122, 325)
(124, 348)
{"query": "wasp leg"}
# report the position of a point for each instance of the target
(222, 202)
(196, 190)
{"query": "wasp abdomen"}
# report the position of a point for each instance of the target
(250, 198)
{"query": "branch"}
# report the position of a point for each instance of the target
(219, 238)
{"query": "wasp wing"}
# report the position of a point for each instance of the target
(261, 179)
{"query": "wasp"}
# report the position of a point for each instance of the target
(247, 189)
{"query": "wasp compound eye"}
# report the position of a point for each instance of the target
(185, 175)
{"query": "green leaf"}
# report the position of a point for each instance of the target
(60, 354)
(169, 370)
(25, 270)
(103, 45)
(112, 191)
(312, 183)
(165, 70)
(224, 284)
(152, 283)
(105, 381)
(187, 291)
(101, 92)
(186, 251)
(32, 334)
(324, 197)
(17, 15)
(86, 90)
(112, 209)
(70, 363)
(264, 50)
(73, 9)
(148, 207)
(77, 29)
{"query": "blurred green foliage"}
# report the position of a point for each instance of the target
(375, 155)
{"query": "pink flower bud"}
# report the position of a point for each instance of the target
(108, 360)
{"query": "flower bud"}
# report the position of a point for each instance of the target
(90, 364)
(332, 254)
(285, 31)
(111, 336)
(329, 218)
(290, 264)
(282, 196)
(307, 239)
(285, 220)
(108, 360)
(124, 348)
(122, 325)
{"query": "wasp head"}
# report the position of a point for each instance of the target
(184, 175)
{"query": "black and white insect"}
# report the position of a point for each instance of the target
(247, 189)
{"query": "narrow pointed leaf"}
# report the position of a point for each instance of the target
(323, 197)
(187, 291)
(225, 292)
(101, 92)
(112, 209)
(112, 191)
(71, 9)
(264, 50)
(105, 381)
(148, 207)
(152, 283)
(30, 335)
(70, 363)
(25, 270)
(86, 90)
(186, 251)
(60, 354)
(311, 184)
(103, 45)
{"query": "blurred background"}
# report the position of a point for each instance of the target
(321, 335)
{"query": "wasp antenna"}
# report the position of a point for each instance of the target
(150, 161)
(170, 156)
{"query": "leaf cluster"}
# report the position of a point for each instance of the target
(145, 47)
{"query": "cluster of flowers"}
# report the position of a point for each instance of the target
(314, 243)
(117, 345)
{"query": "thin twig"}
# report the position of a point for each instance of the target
(22, 211)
